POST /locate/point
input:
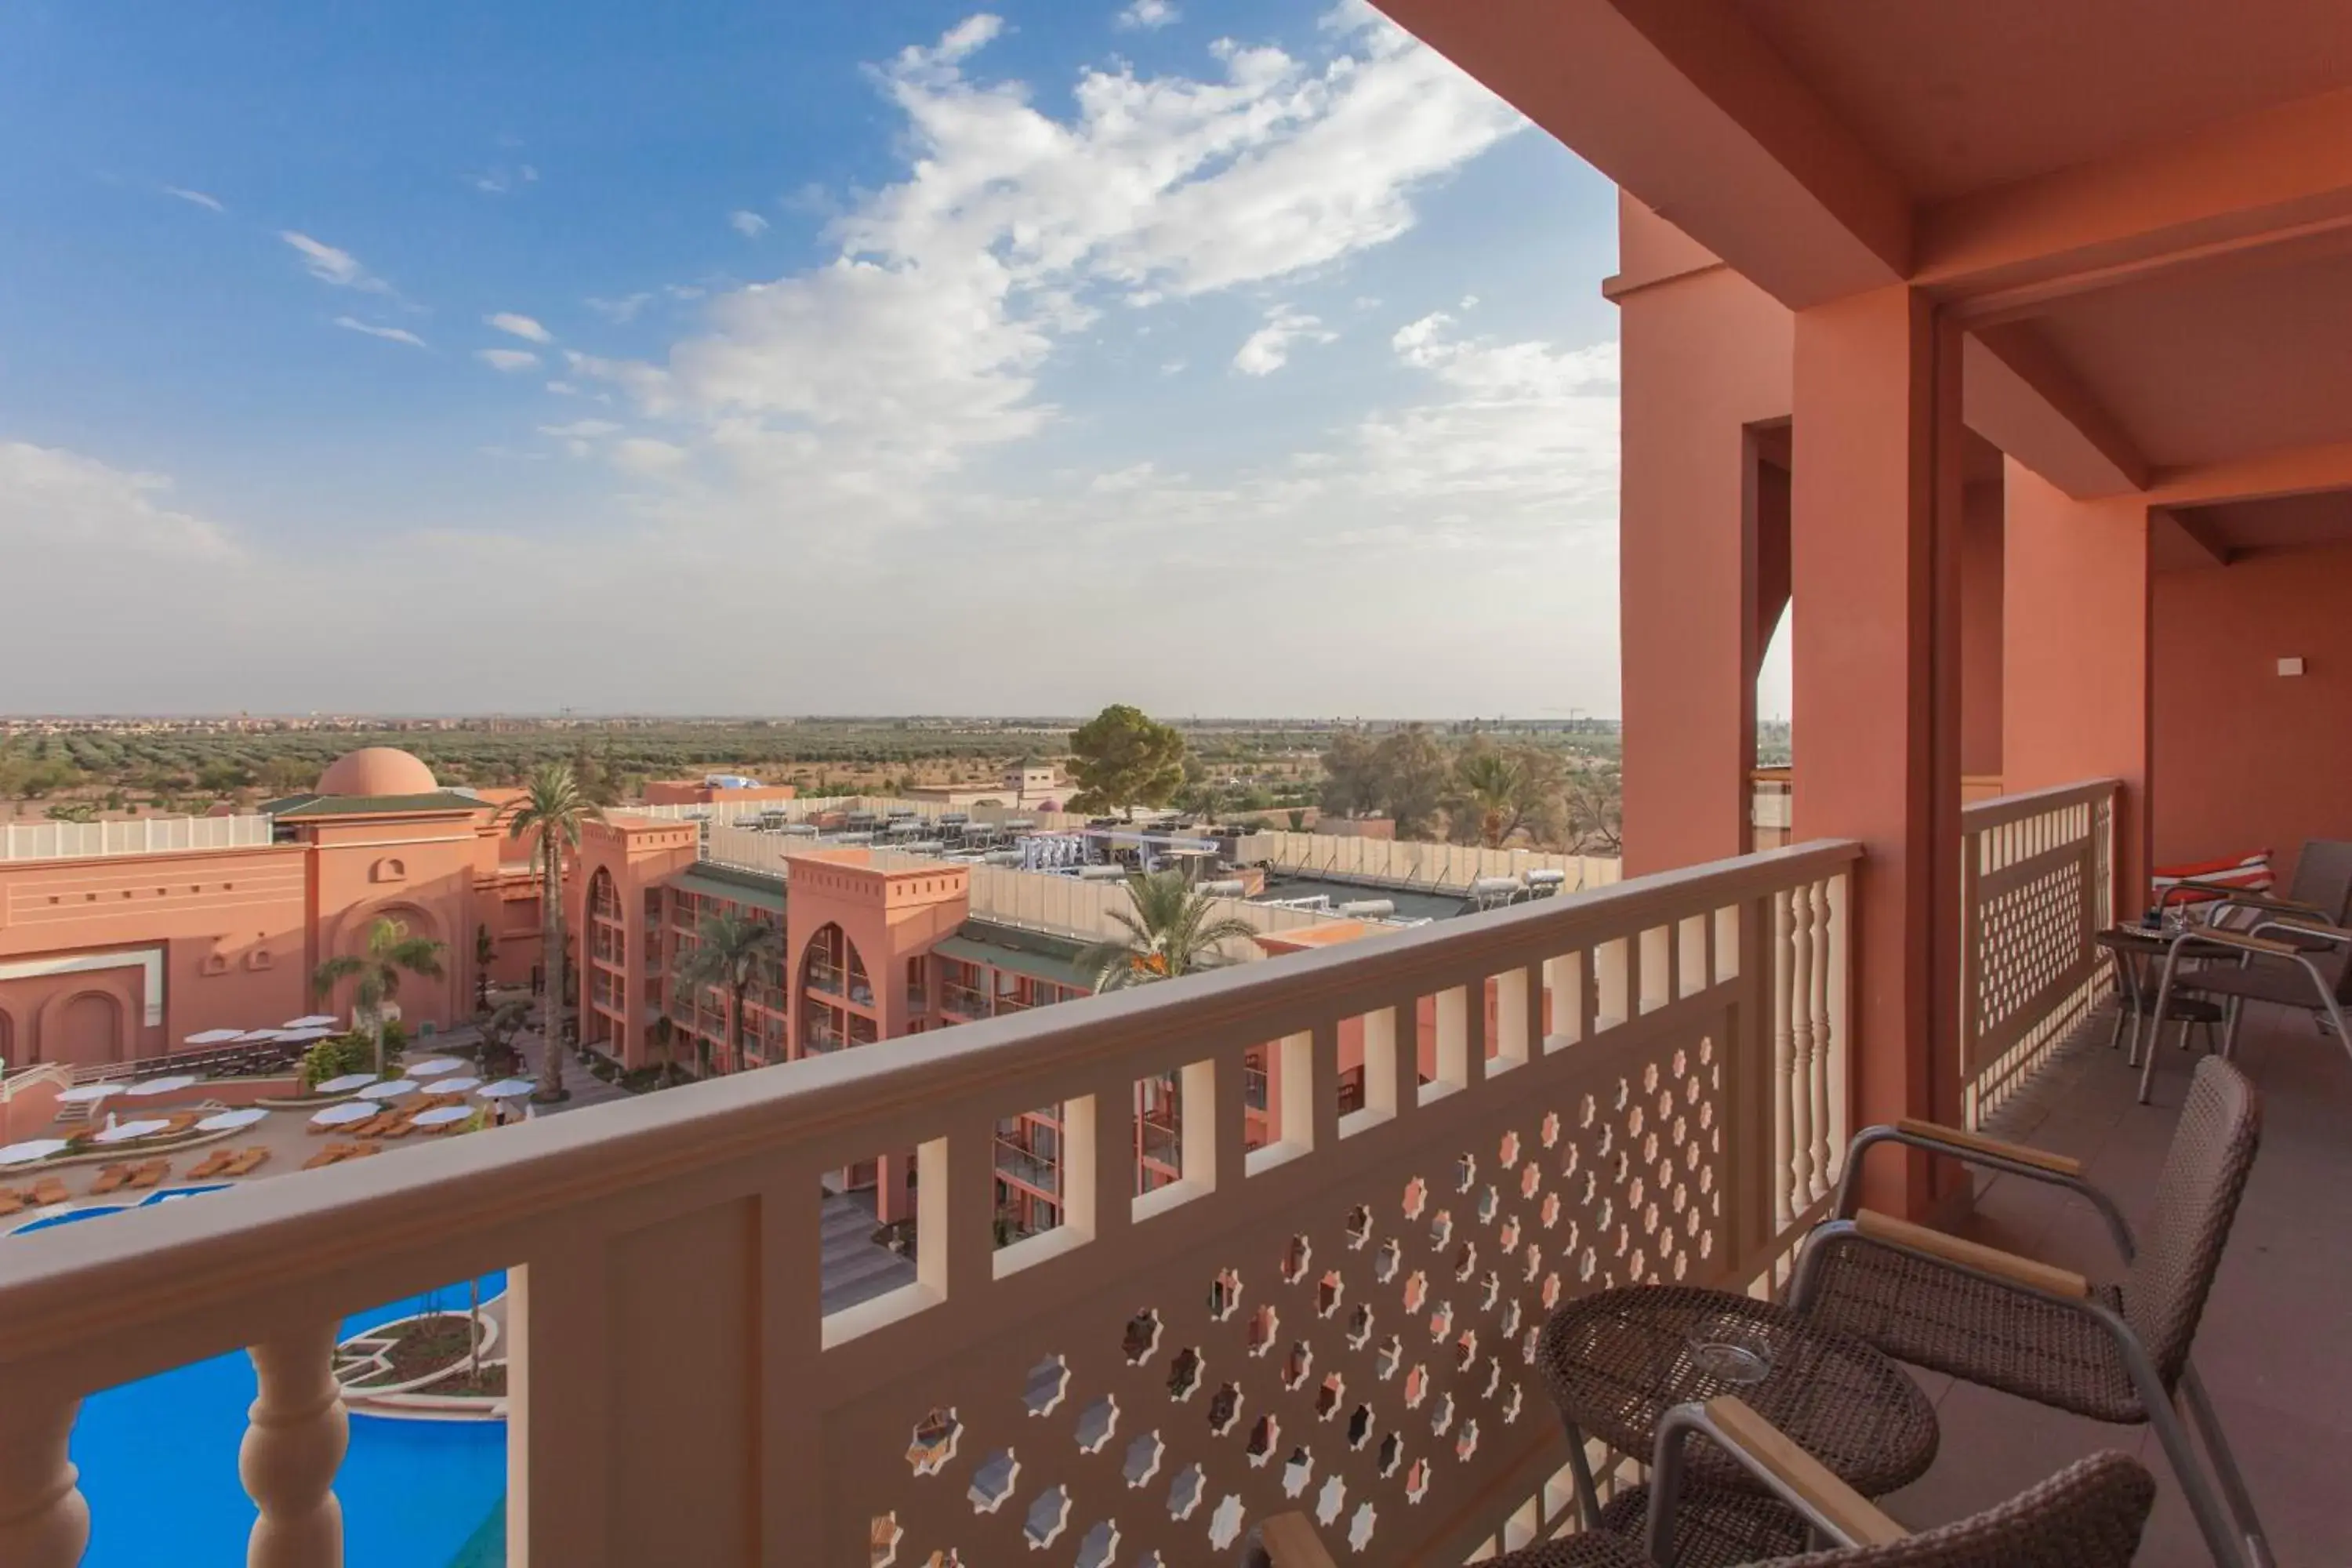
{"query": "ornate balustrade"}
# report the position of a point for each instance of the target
(1338, 1322)
(2037, 882)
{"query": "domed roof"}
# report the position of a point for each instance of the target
(377, 769)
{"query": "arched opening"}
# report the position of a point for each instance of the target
(834, 987)
(606, 1006)
(87, 1029)
(7, 1039)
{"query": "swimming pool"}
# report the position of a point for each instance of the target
(158, 1462)
(95, 1211)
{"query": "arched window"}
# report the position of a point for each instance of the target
(603, 900)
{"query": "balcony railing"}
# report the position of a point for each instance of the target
(2037, 878)
(1663, 1099)
(824, 977)
(1029, 1167)
(965, 1001)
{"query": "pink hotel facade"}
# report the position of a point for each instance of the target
(119, 940)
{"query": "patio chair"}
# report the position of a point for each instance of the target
(2089, 1515)
(2291, 960)
(2110, 1352)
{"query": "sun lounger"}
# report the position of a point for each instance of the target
(49, 1190)
(11, 1201)
(150, 1173)
(400, 1128)
(324, 1157)
(245, 1164)
(110, 1178)
(211, 1165)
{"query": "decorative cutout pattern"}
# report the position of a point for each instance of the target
(1612, 1182)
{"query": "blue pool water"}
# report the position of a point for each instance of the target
(158, 1462)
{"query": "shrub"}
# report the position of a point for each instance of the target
(353, 1052)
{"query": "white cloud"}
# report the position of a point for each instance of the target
(921, 343)
(389, 334)
(581, 429)
(508, 359)
(1148, 13)
(210, 203)
(499, 181)
(1267, 350)
(330, 264)
(750, 224)
(52, 498)
(622, 310)
(563, 389)
(519, 326)
(647, 457)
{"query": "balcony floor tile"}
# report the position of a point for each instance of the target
(2271, 1345)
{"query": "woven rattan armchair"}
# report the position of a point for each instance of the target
(2089, 1515)
(2112, 1353)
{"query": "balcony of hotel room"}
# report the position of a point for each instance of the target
(1996, 348)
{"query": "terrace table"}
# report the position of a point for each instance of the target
(1616, 1362)
(2135, 950)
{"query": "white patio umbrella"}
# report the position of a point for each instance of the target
(392, 1090)
(454, 1086)
(505, 1089)
(345, 1084)
(310, 1021)
(343, 1115)
(88, 1093)
(125, 1132)
(257, 1037)
(292, 1037)
(34, 1149)
(435, 1067)
(442, 1115)
(230, 1120)
(212, 1037)
(170, 1083)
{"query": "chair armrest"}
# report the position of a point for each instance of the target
(1959, 1141)
(2308, 926)
(1290, 1541)
(1804, 1481)
(2238, 939)
(2045, 1279)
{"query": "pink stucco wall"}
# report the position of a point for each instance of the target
(2246, 758)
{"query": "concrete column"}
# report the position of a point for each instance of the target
(1876, 501)
(1982, 686)
(2075, 645)
(1707, 364)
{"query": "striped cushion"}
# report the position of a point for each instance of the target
(2249, 873)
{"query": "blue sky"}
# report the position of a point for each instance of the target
(895, 356)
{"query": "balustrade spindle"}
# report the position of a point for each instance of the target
(1784, 1008)
(1802, 1047)
(44, 1519)
(1824, 1147)
(294, 1440)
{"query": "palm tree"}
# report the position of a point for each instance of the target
(738, 954)
(391, 952)
(1172, 930)
(1494, 788)
(553, 804)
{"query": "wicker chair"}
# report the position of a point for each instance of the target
(2109, 1352)
(2089, 1515)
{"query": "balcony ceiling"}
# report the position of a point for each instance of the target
(1956, 97)
(2215, 535)
(2209, 365)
